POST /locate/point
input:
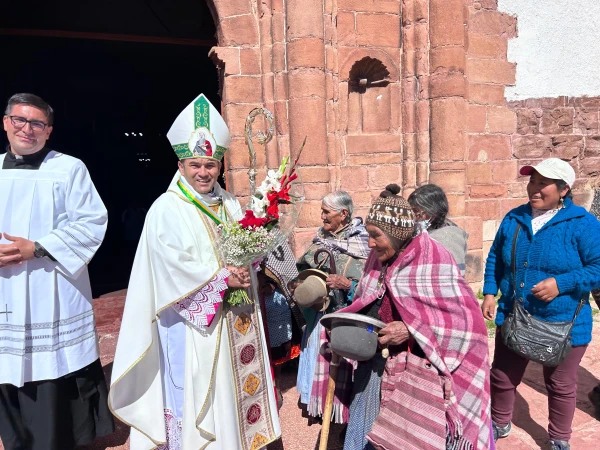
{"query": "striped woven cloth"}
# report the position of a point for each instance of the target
(443, 316)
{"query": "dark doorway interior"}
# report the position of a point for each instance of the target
(114, 103)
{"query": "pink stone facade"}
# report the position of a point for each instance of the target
(405, 91)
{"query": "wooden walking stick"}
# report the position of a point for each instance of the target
(333, 369)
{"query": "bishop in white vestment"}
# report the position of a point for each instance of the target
(191, 372)
(52, 389)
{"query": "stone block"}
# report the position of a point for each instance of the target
(306, 83)
(508, 204)
(280, 115)
(517, 190)
(306, 52)
(486, 209)
(376, 110)
(382, 30)
(415, 62)
(446, 21)
(409, 114)
(250, 61)
(489, 147)
(346, 28)
(486, 94)
(476, 118)
(317, 191)
(374, 143)
(450, 180)
(531, 146)
(504, 171)
(447, 84)
(585, 121)
(376, 6)
(479, 191)
(374, 159)
(278, 27)
(440, 166)
(310, 215)
(447, 59)
(592, 146)
(479, 173)
(233, 8)
(354, 116)
(363, 199)
(278, 57)
(557, 121)
(235, 115)
(456, 204)
(422, 118)
(354, 178)
(474, 227)
(307, 119)
(383, 176)
(590, 166)
(491, 71)
(567, 147)
(528, 120)
(281, 87)
(474, 263)
(301, 239)
(448, 123)
(238, 156)
(314, 174)
(490, 228)
(242, 89)
(493, 23)
(486, 47)
(227, 58)
(238, 31)
(501, 120)
(306, 20)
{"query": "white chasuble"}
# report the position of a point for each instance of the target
(47, 327)
(177, 379)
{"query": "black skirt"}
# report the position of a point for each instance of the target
(56, 414)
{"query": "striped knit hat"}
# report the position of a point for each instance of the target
(392, 214)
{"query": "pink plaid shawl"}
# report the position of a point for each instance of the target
(442, 314)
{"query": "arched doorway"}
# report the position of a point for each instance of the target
(117, 74)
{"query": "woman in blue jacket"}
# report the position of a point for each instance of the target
(557, 262)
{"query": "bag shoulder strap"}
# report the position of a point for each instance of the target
(513, 259)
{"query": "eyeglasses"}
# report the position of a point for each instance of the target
(20, 122)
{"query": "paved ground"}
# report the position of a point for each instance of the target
(530, 418)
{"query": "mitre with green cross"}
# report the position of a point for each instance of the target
(199, 132)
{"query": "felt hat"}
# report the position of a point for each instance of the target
(353, 336)
(312, 290)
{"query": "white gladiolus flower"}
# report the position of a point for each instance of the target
(259, 207)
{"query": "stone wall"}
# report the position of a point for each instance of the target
(405, 91)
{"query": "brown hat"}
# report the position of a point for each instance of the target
(312, 290)
(392, 214)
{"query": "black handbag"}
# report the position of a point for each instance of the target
(537, 340)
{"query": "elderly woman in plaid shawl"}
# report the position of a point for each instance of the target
(433, 392)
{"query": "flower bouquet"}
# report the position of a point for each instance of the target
(271, 215)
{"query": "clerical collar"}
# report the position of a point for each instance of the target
(27, 162)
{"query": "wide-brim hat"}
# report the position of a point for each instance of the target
(553, 168)
(312, 290)
(353, 336)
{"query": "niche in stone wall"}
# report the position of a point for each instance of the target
(369, 97)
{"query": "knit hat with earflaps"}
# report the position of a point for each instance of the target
(392, 214)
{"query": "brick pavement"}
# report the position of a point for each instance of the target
(530, 419)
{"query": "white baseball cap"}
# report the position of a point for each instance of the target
(553, 168)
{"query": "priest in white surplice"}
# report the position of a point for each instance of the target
(190, 372)
(53, 395)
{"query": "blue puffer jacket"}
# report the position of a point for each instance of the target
(566, 248)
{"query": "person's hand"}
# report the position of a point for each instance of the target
(338, 282)
(292, 285)
(395, 333)
(239, 278)
(18, 251)
(488, 307)
(545, 290)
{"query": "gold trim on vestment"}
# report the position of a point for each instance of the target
(212, 378)
(118, 416)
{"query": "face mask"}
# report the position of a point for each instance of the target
(422, 226)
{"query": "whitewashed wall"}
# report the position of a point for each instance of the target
(557, 50)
